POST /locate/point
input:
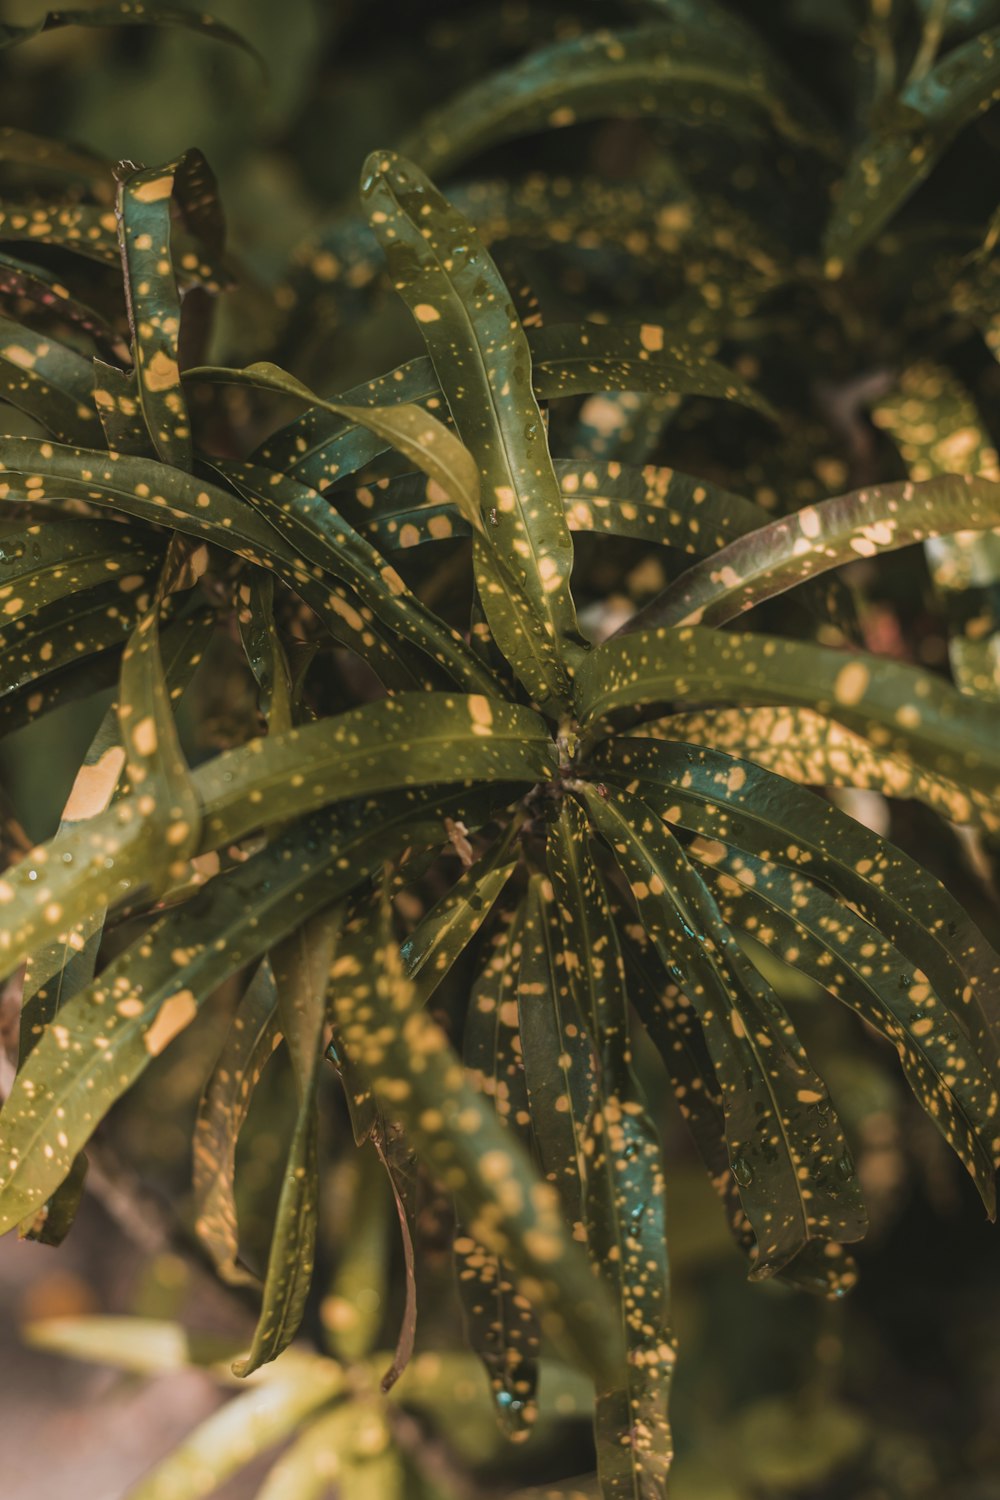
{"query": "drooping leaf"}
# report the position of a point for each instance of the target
(147, 995)
(805, 925)
(506, 1208)
(787, 1149)
(222, 1110)
(624, 1202)
(746, 806)
(43, 288)
(500, 1324)
(48, 381)
(300, 963)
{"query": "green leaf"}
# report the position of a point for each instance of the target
(264, 651)
(896, 157)
(657, 69)
(414, 1071)
(129, 13)
(38, 151)
(746, 806)
(901, 709)
(86, 229)
(934, 423)
(378, 748)
(865, 523)
(48, 381)
(787, 1149)
(300, 964)
(624, 1203)
(577, 359)
(222, 1110)
(524, 558)
(152, 295)
(424, 439)
(806, 748)
(449, 927)
(333, 1449)
(558, 1051)
(500, 1323)
(821, 937)
(321, 535)
(106, 1036)
(45, 289)
(142, 1346)
(242, 1430)
(157, 770)
(163, 495)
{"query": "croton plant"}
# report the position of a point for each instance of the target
(618, 809)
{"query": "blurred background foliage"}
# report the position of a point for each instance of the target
(891, 1394)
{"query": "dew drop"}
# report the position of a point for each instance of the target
(845, 1166)
(32, 874)
(67, 858)
(742, 1171)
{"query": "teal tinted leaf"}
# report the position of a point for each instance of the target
(300, 964)
(802, 923)
(891, 163)
(248, 1047)
(505, 1207)
(524, 556)
(624, 1205)
(82, 227)
(48, 381)
(242, 1430)
(935, 424)
(657, 69)
(152, 295)
(787, 1149)
(414, 432)
(746, 806)
(129, 13)
(904, 710)
(500, 1324)
(105, 1037)
(794, 548)
(116, 397)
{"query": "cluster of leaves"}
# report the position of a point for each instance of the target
(630, 792)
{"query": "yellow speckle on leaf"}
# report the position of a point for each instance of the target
(425, 312)
(171, 1018)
